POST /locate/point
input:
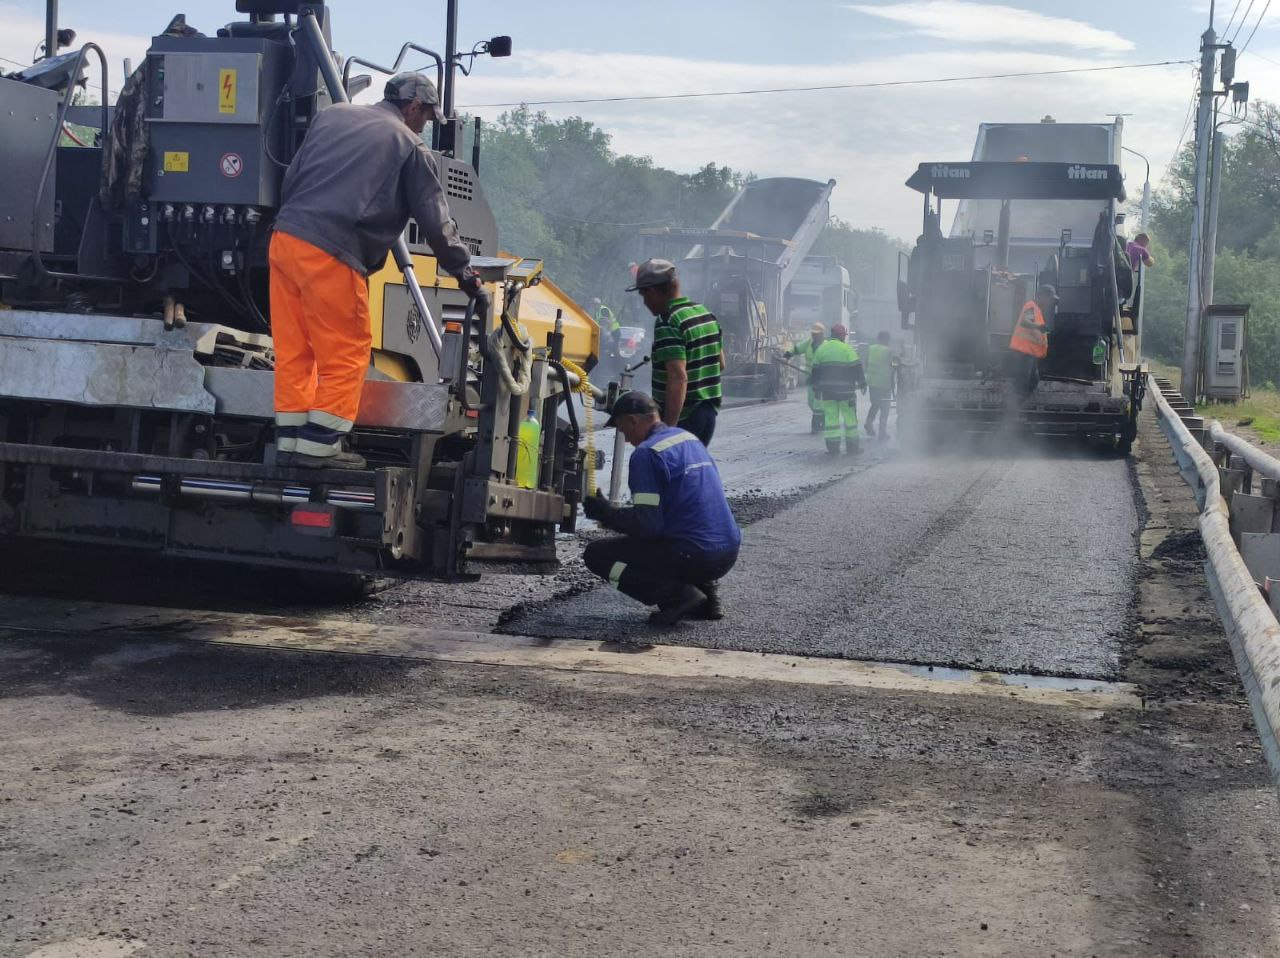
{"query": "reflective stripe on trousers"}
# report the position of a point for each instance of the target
(321, 334)
(840, 419)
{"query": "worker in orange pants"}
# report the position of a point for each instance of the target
(361, 172)
(320, 328)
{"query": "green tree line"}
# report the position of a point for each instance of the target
(1247, 268)
(560, 192)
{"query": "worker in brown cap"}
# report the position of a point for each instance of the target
(688, 355)
(361, 172)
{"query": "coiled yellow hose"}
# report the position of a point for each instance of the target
(588, 407)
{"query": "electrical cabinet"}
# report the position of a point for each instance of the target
(1224, 360)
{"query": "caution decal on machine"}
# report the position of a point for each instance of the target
(177, 162)
(226, 91)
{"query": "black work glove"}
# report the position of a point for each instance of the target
(596, 507)
(470, 283)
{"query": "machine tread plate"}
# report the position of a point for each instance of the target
(131, 462)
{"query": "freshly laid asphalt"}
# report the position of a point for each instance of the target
(1018, 559)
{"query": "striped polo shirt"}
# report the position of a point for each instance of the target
(687, 330)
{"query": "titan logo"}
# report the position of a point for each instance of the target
(948, 173)
(1079, 172)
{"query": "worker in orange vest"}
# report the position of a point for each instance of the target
(1030, 340)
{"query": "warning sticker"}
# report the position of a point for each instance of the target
(177, 162)
(226, 91)
(231, 165)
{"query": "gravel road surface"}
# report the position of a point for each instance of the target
(164, 797)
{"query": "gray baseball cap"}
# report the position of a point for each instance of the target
(411, 87)
(653, 272)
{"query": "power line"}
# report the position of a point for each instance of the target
(1241, 24)
(1267, 59)
(1186, 125)
(835, 86)
(1261, 17)
(1232, 19)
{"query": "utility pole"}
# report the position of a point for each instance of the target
(1144, 224)
(51, 30)
(1144, 212)
(450, 56)
(1204, 136)
(1211, 230)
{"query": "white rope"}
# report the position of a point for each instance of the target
(516, 384)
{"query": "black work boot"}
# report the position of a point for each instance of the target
(685, 602)
(851, 447)
(816, 422)
(340, 460)
(712, 610)
(833, 448)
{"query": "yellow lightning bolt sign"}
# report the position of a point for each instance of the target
(226, 91)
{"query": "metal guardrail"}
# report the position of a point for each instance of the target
(1252, 628)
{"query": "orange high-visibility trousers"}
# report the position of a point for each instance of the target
(320, 329)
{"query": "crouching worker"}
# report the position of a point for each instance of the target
(679, 537)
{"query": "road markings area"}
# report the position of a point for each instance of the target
(146, 624)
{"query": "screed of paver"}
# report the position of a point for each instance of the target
(1011, 562)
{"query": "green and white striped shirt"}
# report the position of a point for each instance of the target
(688, 331)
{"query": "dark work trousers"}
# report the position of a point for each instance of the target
(1023, 371)
(881, 399)
(654, 571)
(702, 422)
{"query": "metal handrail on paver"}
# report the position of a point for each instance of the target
(1252, 629)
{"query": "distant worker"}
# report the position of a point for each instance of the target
(347, 196)
(837, 376)
(688, 355)
(604, 318)
(804, 352)
(679, 537)
(1030, 340)
(881, 369)
(1139, 252)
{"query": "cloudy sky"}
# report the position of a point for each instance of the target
(868, 139)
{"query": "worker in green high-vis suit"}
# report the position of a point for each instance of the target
(881, 367)
(837, 376)
(805, 351)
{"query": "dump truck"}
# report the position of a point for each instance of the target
(1036, 206)
(136, 410)
(819, 293)
(741, 268)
